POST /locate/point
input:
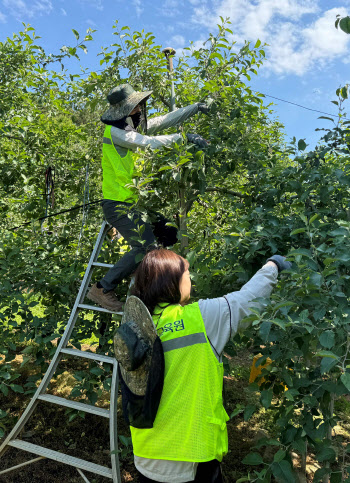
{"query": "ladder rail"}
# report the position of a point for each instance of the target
(113, 435)
(64, 341)
(10, 440)
(26, 463)
(62, 458)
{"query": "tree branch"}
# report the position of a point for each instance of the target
(227, 192)
(164, 101)
(13, 137)
(212, 189)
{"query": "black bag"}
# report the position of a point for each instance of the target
(140, 411)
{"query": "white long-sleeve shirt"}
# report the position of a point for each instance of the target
(222, 318)
(131, 140)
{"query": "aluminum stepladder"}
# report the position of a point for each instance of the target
(112, 473)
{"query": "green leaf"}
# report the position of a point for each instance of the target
(16, 388)
(313, 218)
(97, 371)
(344, 24)
(301, 145)
(291, 393)
(326, 454)
(279, 456)
(125, 440)
(327, 364)
(253, 459)
(258, 43)
(249, 411)
(283, 471)
(264, 330)
(299, 445)
(4, 389)
(266, 398)
(345, 379)
(76, 34)
(286, 303)
(316, 279)
(298, 230)
(344, 91)
(301, 251)
(72, 416)
(28, 349)
(280, 323)
(327, 339)
(326, 354)
(320, 473)
(336, 477)
(325, 117)
(237, 411)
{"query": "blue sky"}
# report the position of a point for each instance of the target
(307, 60)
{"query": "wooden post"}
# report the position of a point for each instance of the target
(169, 52)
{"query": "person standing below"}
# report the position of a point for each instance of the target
(189, 436)
(125, 115)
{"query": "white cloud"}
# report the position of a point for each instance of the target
(170, 4)
(2, 18)
(138, 7)
(249, 15)
(170, 9)
(20, 8)
(94, 3)
(299, 34)
(177, 41)
(91, 23)
(64, 12)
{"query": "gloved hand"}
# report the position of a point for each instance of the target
(202, 107)
(280, 262)
(197, 139)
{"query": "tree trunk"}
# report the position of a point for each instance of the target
(329, 435)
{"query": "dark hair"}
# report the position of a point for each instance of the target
(157, 278)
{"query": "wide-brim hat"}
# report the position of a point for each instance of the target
(123, 99)
(134, 343)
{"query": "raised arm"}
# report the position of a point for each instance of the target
(133, 140)
(222, 316)
(175, 118)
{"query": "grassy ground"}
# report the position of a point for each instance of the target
(88, 437)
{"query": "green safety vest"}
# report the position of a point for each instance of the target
(117, 171)
(191, 420)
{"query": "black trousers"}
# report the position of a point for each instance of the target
(208, 472)
(139, 234)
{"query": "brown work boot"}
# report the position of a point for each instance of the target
(108, 300)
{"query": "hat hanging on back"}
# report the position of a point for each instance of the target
(139, 351)
(123, 99)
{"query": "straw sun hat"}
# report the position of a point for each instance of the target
(123, 99)
(139, 351)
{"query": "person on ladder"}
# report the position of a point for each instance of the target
(125, 115)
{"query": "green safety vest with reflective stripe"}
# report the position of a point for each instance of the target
(191, 421)
(117, 171)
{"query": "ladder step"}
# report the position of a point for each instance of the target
(62, 458)
(89, 355)
(100, 264)
(61, 401)
(97, 309)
